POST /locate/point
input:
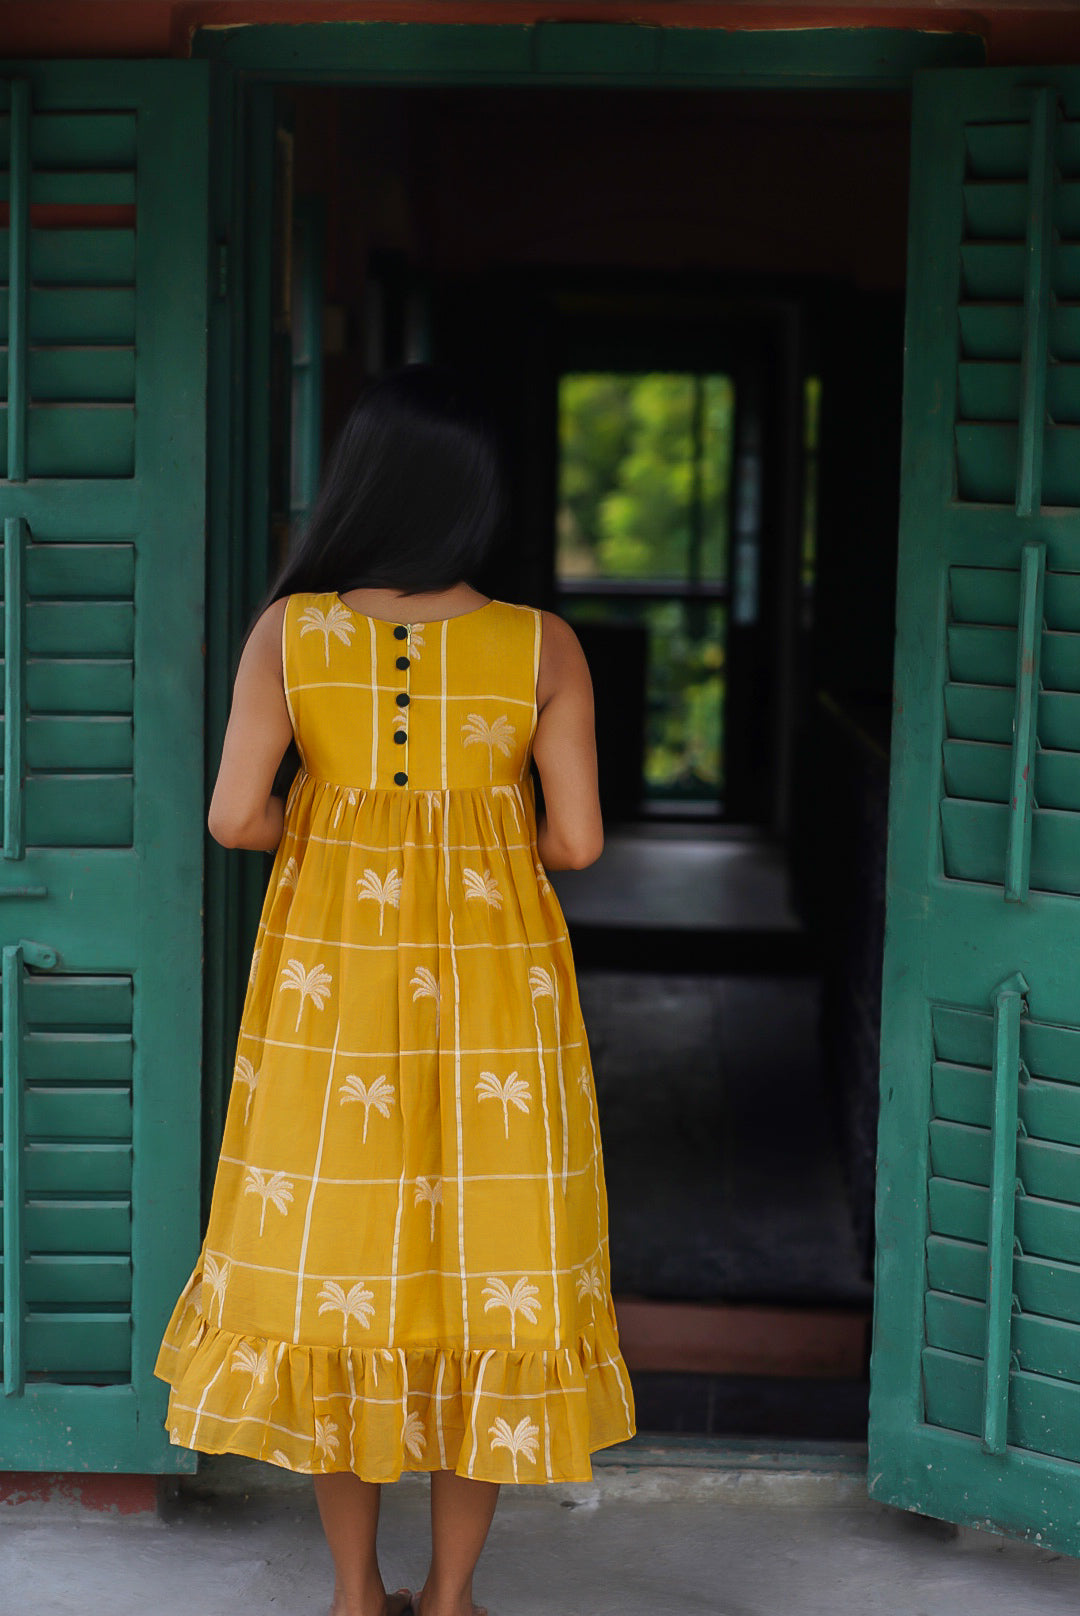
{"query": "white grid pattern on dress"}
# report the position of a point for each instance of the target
(542, 1074)
(314, 1182)
(442, 707)
(258, 1042)
(405, 942)
(536, 949)
(417, 1273)
(459, 1124)
(464, 1178)
(374, 704)
(427, 847)
(547, 1428)
(391, 690)
(417, 1394)
(479, 1392)
(394, 1259)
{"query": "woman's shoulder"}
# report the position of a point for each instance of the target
(272, 616)
(557, 631)
(277, 623)
(560, 647)
(562, 660)
(267, 626)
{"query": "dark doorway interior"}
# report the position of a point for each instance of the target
(735, 260)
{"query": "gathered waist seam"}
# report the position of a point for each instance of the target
(493, 789)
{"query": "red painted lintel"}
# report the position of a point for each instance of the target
(105, 1493)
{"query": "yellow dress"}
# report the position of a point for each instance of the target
(406, 1262)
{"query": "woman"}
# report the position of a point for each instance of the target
(406, 1263)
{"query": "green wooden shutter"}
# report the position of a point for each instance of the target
(975, 1400)
(102, 495)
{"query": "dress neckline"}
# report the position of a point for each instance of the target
(397, 622)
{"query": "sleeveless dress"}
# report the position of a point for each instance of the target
(406, 1262)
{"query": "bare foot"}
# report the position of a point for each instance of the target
(396, 1604)
(422, 1608)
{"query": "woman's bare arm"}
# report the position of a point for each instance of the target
(570, 834)
(243, 810)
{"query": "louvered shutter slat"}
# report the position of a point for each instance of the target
(1046, 1347)
(103, 381)
(1043, 1228)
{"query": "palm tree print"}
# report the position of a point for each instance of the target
(497, 737)
(430, 799)
(247, 1075)
(314, 985)
(380, 892)
(215, 1279)
(416, 641)
(482, 886)
(269, 1187)
(326, 1438)
(356, 1303)
(514, 1092)
(345, 795)
(524, 1438)
(289, 875)
(378, 1093)
(589, 1283)
(426, 985)
(429, 1190)
(511, 795)
(541, 876)
(336, 620)
(541, 982)
(250, 1362)
(254, 964)
(523, 1299)
(413, 1436)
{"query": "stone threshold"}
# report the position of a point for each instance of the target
(650, 1466)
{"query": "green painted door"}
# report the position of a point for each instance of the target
(975, 1401)
(102, 494)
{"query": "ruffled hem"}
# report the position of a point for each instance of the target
(521, 1416)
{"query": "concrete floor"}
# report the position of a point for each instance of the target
(634, 1543)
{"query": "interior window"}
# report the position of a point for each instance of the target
(645, 467)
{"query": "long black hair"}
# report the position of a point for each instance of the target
(413, 491)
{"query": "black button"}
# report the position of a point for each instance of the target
(401, 632)
(403, 700)
(400, 737)
(402, 662)
(401, 779)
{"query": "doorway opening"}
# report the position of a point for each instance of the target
(686, 307)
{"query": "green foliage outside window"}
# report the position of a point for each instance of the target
(627, 475)
(644, 481)
(684, 701)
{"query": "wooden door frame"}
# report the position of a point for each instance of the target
(574, 52)
(249, 64)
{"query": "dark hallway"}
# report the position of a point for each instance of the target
(728, 941)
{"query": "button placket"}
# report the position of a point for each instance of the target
(401, 735)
